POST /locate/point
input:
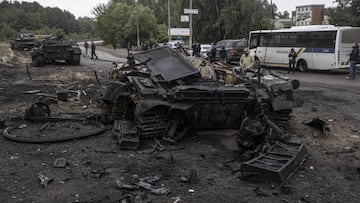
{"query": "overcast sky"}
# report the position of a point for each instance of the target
(82, 8)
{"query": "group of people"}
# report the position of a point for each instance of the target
(93, 47)
(246, 60)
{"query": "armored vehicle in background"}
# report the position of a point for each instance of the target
(26, 41)
(53, 49)
(168, 96)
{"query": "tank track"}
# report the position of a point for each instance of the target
(152, 124)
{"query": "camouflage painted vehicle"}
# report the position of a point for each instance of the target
(26, 41)
(166, 96)
(53, 49)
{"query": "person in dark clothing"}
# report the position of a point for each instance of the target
(114, 44)
(193, 49)
(354, 55)
(86, 45)
(128, 47)
(213, 53)
(223, 54)
(292, 60)
(198, 49)
(93, 47)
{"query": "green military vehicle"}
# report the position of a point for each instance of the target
(53, 49)
(26, 41)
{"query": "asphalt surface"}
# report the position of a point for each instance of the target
(336, 78)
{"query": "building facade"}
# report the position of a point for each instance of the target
(309, 15)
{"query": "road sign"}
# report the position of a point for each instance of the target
(180, 31)
(191, 11)
(184, 18)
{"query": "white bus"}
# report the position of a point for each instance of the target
(318, 47)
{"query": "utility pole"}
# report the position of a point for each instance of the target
(190, 27)
(137, 25)
(169, 21)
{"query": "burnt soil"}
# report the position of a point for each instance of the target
(94, 164)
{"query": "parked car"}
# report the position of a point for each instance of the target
(234, 49)
(205, 50)
(173, 43)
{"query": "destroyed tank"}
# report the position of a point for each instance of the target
(26, 41)
(165, 96)
(53, 49)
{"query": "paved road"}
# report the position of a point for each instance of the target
(102, 55)
(331, 78)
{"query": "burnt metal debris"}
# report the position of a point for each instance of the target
(318, 124)
(48, 137)
(166, 96)
(279, 162)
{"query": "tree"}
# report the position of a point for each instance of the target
(346, 13)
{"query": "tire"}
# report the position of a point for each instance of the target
(76, 60)
(302, 65)
(38, 61)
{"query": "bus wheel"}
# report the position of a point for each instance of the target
(302, 65)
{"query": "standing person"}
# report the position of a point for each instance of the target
(213, 53)
(128, 46)
(114, 44)
(354, 55)
(246, 62)
(223, 54)
(292, 60)
(93, 47)
(198, 49)
(194, 49)
(86, 45)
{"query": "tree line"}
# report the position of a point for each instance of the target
(18, 17)
(117, 20)
(217, 19)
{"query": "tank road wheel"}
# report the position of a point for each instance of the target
(76, 60)
(177, 127)
(38, 61)
(302, 65)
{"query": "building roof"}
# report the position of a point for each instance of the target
(311, 5)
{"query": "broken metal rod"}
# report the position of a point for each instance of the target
(44, 126)
(96, 77)
(28, 71)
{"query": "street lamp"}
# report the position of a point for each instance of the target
(169, 22)
(137, 25)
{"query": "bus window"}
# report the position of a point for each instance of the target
(324, 39)
(350, 36)
(254, 41)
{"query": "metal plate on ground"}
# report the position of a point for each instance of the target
(278, 164)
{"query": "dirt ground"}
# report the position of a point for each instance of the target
(94, 164)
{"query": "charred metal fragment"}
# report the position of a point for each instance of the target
(126, 134)
(279, 163)
(318, 124)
